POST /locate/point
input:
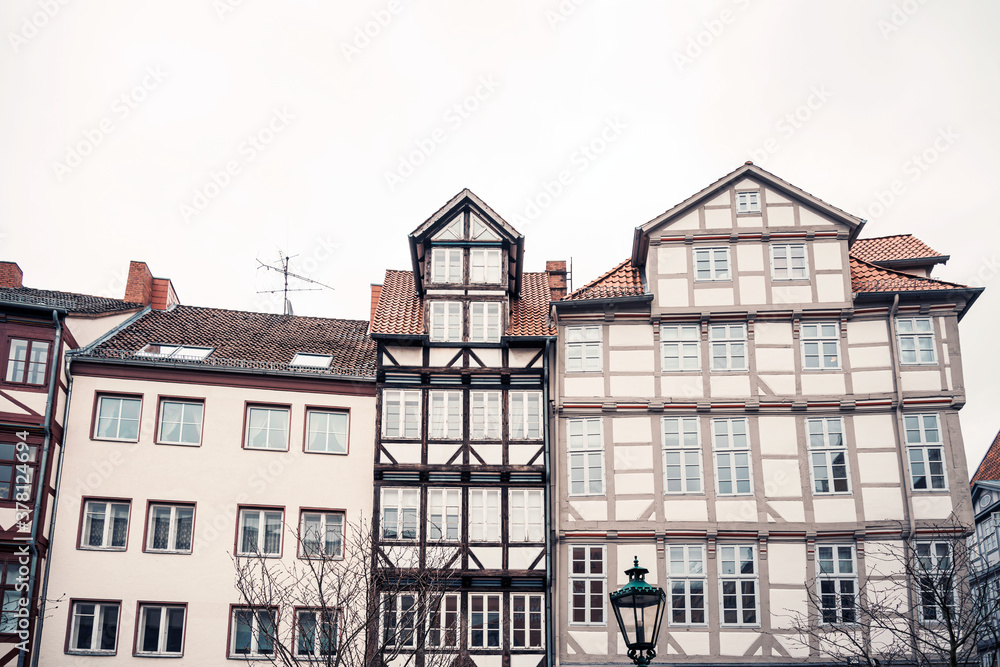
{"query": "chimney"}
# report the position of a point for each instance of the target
(163, 294)
(139, 288)
(557, 279)
(376, 293)
(10, 275)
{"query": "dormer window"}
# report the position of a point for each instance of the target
(446, 321)
(481, 231)
(181, 352)
(485, 266)
(485, 322)
(748, 202)
(306, 360)
(446, 265)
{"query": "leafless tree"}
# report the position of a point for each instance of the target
(341, 605)
(915, 604)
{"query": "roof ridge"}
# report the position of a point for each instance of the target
(593, 282)
(887, 236)
(59, 291)
(986, 455)
(908, 276)
(257, 312)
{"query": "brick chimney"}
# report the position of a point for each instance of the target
(376, 293)
(557, 279)
(143, 288)
(10, 275)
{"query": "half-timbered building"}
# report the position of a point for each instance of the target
(462, 435)
(754, 399)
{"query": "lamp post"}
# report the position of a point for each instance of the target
(639, 609)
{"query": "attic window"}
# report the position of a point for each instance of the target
(481, 232)
(304, 360)
(748, 202)
(175, 352)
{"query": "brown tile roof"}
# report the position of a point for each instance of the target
(989, 467)
(893, 248)
(400, 311)
(83, 304)
(866, 277)
(623, 280)
(247, 340)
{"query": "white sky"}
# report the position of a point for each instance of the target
(334, 115)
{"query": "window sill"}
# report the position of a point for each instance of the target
(167, 552)
(95, 439)
(263, 449)
(311, 451)
(176, 444)
(111, 549)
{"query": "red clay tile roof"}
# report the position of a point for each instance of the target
(866, 277)
(400, 311)
(989, 467)
(893, 248)
(623, 280)
(247, 340)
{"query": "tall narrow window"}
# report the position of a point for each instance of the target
(316, 632)
(525, 415)
(687, 585)
(446, 321)
(681, 455)
(321, 535)
(485, 321)
(586, 457)
(485, 266)
(260, 532)
(926, 453)
(399, 620)
(936, 574)
(748, 202)
(681, 347)
(820, 346)
(400, 510)
(446, 415)
(170, 528)
(180, 422)
(588, 585)
(444, 513)
(526, 515)
(161, 630)
(401, 414)
(486, 417)
(916, 340)
(94, 627)
(105, 525)
(117, 418)
(828, 453)
(447, 265)
(253, 633)
(738, 581)
(484, 515)
(484, 621)
(838, 583)
(732, 457)
(583, 348)
(712, 264)
(267, 427)
(728, 343)
(526, 621)
(27, 361)
(788, 262)
(443, 621)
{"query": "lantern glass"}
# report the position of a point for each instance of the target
(639, 610)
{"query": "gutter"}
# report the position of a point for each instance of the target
(182, 365)
(547, 495)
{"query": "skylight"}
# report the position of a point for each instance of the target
(305, 360)
(175, 352)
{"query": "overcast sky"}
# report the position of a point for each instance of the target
(203, 135)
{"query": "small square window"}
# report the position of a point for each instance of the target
(820, 346)
(267, 427)
(445, 321)
(105, 525)
(27, 361)
(485, 266)
(260, 532)
(170, 528)
(160, 631)
(180, 422)
(117, 418)
(712, 264)
(681, 347)
(93, 627)
(304, 360)
(252, 633)
(748, 202)
(326, 431)
(446, 265)
(788, 262)
(316, 633)
(321, 535)
(583, 348)
(485, 322)
(916, 340)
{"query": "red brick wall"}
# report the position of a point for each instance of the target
(10, 275)
(557, 279)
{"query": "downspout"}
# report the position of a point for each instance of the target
(548, 507)
(42, 480)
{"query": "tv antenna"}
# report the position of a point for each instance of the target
(282, 268)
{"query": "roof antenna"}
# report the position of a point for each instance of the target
(569, 276)
(282, 268)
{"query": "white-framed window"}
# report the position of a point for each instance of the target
(260, 532)
(446, 415)
(916, 340)
(525, 415)
(399, 620)
(446, 321)
(253, 632)
(184, 352)
(728, 343)
(444, 514)
(485, 321)
(486, 415)
(484, 515)
(170, 528)
(738, 585)
(446, 265)
(267, 427)
(820, 346)
(443, 621)
(105, 525)
(526, 620)
(321, 534)
(687, 584)
(788, 262)
(180, 422)
(588, 584)
(485, 266)
(828, 455)
(484, 620)
(681, 346)
(586, 457)
(401, 413)
(583, 348)
(837, 583)
(986, 532)
(326, 431)
(118, 418)
(400, 513)
(94, 627)
(731, 441)
(681, 455)
(935, 574)
(316, 632)
(527, 517)
(712, 264)
(748, 201)
(161, 630)
(27, 361)
(309, 360)
(925, 452)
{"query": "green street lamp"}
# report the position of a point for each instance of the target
(639, 609)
